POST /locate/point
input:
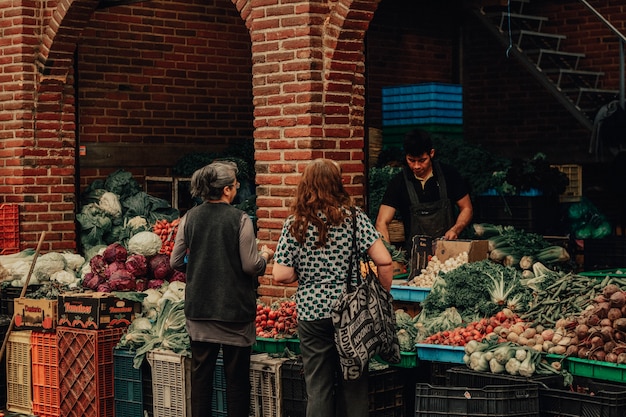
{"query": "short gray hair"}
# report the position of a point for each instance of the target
(209, 181)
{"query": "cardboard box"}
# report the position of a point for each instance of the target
(35, 314)
(477, 250)
(96, 310)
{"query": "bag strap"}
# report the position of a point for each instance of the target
(354, 254)
(441, 181)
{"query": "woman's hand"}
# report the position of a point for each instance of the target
(266, 253)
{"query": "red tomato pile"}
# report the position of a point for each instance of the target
(476, 330)
(276, 321)
(167, 232)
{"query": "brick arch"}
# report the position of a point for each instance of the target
(59, 39)
(344, 78)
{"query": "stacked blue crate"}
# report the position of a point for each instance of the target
(434, 107)
(218, 408)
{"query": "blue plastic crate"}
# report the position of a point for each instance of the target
(131, 392)
(440, 353)
(432, 112)
(454, 99)
(423, 121)
(408, 293)
(219, 407)
(423, 105)
(431, 87)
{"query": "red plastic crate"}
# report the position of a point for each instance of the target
(9, 229)
(86, 371)
(45, 374)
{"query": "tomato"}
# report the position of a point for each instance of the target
(273, 314)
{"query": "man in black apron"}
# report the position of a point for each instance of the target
(432, 198)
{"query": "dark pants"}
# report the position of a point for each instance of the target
(236, 369)
(328, 394)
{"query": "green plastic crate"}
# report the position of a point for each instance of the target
(269, 345)
(604, 371)
(603, 273)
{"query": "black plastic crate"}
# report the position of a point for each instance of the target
(586, 398)
(609, 252)
(294, 396)
(8, 294)
(534, 214)
(5, 322)
(519, 400)
(465, 377)
(386, 393)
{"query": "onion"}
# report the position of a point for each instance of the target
(621, 358)
(547, 334)
(609, 290)
(598, 355)
(600, 299)
(596, 341)
(610, 357)
(583, 352)
(582, 331)
(620, 324)
(606, 322)
(609, 346)
(614, 314)
(602, 309)
(572, 350)
(618, 299)
(606, 333)
(593, 320)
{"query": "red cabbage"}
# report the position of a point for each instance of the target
(114, 267)
(155, 283)
(137, 265)
(115, 252)
(178, 276)
(160, 266)
(122, 280)
(97, 264)
(91, 280)
(104, 287)
(141, 285)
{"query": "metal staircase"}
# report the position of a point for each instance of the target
(562, 73)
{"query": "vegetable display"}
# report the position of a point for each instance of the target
(277, 321)
(118, 269)
(428, 275)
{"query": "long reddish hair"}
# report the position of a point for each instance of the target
(320, 191)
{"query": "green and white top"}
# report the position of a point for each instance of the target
(322, 271)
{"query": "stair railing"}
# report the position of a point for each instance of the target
(622, 40)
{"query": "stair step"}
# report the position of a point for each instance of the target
(590, 97)
(560, 59)
(564, 78)
(539, 39)
(519, 21)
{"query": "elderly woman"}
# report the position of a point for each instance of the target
(314, 249)
(222, 269)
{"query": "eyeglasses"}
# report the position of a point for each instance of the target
(236, 185)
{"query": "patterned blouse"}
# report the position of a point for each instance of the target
(322, 271)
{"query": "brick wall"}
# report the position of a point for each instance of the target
(160, 80)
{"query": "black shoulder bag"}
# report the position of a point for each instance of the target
(364, 319)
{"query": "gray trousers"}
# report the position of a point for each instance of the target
(328, 394)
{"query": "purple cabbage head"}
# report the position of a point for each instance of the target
(160, 266)
(137, 265)
(98, 265)
(115, 252)
(122, 280)
(91, 280)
